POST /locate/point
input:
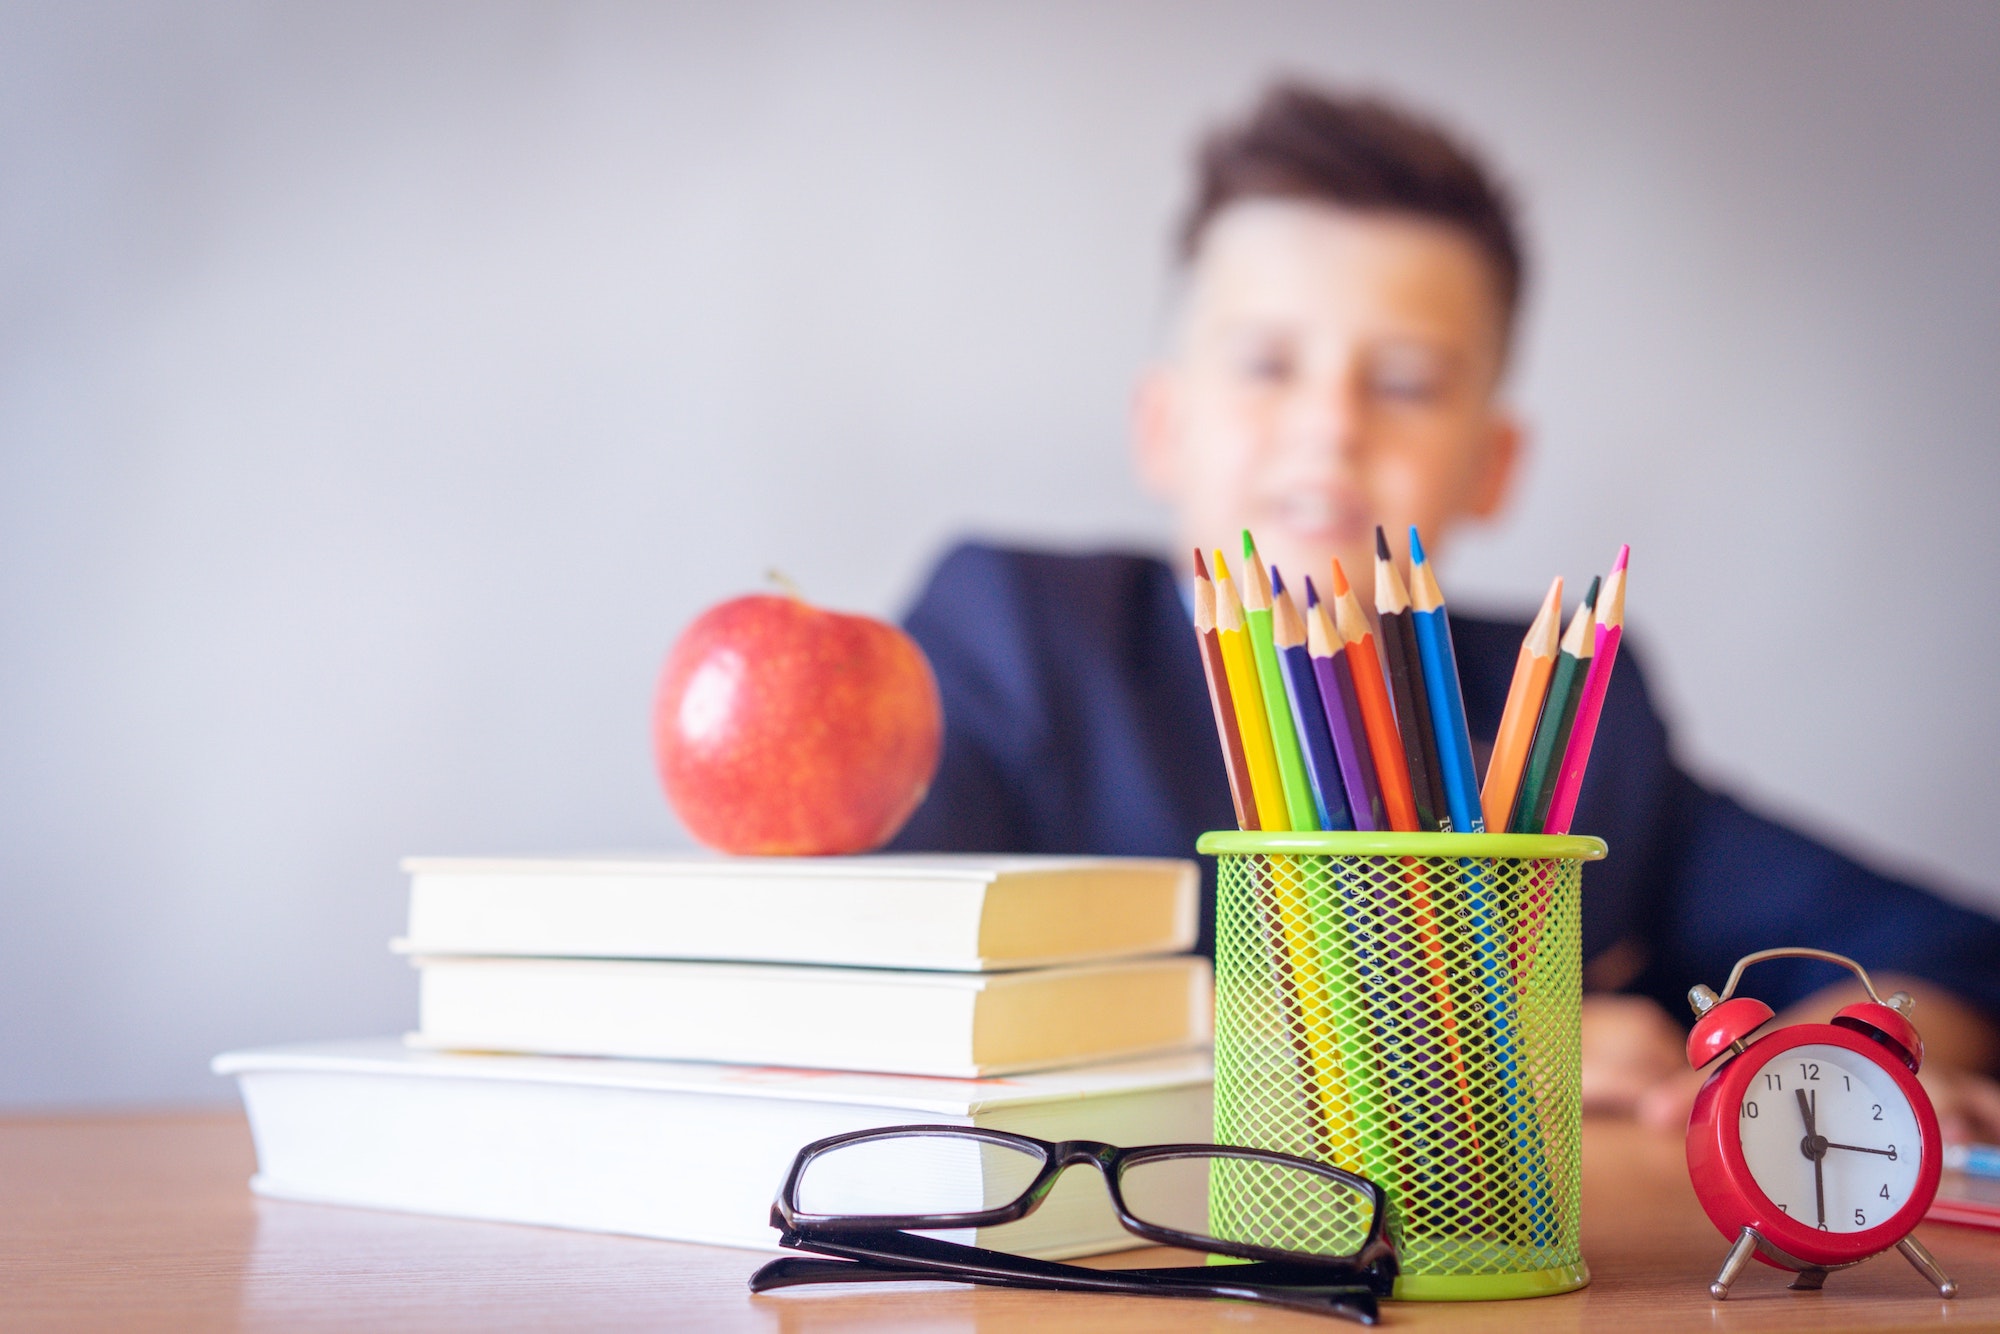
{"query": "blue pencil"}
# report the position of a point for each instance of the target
(1288, 635)
(1454, 740)
(1975, 1160)
(1461, 788)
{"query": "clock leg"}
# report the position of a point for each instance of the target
(1739, 1255)
(1810, 1279)
(1913, 1251)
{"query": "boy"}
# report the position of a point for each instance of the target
(1351, 278)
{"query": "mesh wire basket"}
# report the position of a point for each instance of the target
(1407, 1006)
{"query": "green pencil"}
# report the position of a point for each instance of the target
(1545, 752)
(1284, 729)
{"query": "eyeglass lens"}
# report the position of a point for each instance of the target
(1249, 1201)
(916, 1174)
(1222, 1196)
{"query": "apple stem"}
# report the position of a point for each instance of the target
(784, 581)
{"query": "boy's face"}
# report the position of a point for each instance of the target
(1332, 370)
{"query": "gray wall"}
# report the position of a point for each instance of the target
(381, 386)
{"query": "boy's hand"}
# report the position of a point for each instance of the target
(1968, 1105)
(1630, 1049)
(1635, 1064)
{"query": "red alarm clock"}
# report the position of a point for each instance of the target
(1813, 1147)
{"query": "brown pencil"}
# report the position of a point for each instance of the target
(1226, 728)
(1406, 682)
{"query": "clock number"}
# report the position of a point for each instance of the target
(1860, 1219)
(1823, 1227)
(1892, 1153)
(1750, 1110)
(1850, 1083)
(1884, 1192)
(1809, 1070)
(1774, 1081)
(1784, 1208)
(1878, 1110)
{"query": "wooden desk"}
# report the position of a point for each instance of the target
(142, 1223)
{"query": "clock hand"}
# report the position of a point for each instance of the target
(1813, 1147)
(1856, 1148)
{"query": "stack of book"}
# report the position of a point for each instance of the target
(641, 1045)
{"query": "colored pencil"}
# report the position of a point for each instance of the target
(1284, 732)
(1590, 705)
(1378, 716)
(1228, 729)
(1532, 668)
(1454, 741)
(1406, 680)
(1288, 635)
(1343, 716)
(1247, 695)
(1545, 753)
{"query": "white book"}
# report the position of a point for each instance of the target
(898, 1021)
(682, 1151)
(886, 911)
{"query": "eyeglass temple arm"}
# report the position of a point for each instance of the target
(1298, 1287)
(792, 1271)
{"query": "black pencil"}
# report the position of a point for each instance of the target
(1406, 684)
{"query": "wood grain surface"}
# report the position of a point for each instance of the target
(146, 1223)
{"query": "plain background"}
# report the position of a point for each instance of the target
(383, 385)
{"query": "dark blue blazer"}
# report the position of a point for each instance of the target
(1077, 720)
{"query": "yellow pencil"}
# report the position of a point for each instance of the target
(1247, 694)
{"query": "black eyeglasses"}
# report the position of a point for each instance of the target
(1311, 1236)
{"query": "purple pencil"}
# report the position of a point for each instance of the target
(1343, 716)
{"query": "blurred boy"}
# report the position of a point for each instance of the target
(1351, 277)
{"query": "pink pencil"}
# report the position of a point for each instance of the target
(1610, 628)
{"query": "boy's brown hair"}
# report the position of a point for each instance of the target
(1357, 153)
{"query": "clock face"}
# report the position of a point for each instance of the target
(1830, 1138)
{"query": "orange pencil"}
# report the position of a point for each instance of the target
(1227, 729)
(1530, 687)
(1392, 770)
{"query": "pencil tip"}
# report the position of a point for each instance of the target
(1312, 594)
(1590, 594)
(1623, 552)
(1221, 565)
(1249, 546)
(1340, 585)
(1381, 544)
(1200, 566)
(1416, 547)
(1277, 582)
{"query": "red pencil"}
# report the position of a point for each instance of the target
(1590, 706)
(1392, 770)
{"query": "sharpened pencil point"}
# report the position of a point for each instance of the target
(1200, 568)
(1249, 546)
(1590, 594)
(1221, 565)
(1277, 581)
(1312, 594)
(1381, 544)
(1339, 579)
(1416, 547)
(1623, 552)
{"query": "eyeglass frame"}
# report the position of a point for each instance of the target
(1377, 1248)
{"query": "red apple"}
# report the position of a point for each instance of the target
(785, 729)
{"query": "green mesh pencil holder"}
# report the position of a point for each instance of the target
(1408, 1007)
